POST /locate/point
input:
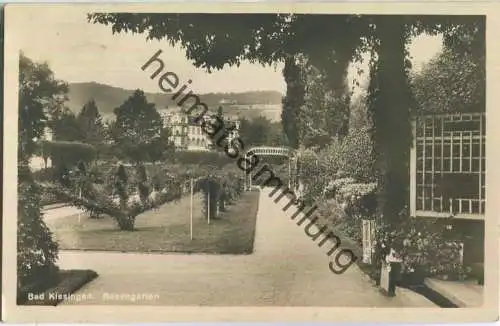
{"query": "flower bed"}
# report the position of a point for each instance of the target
(427, 249)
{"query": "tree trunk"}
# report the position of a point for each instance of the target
(126, 223)
(390, 113)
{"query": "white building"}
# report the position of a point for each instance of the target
(187, 135)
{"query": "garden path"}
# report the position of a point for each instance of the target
(286, 269)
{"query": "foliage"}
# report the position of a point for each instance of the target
(389, 111)
(324, 116)
(335, 185)
(451, 82)
(211, 192)
(90, 124)
(216, 40)
(219, 189)
(261, 131)
(427, 247)
(36, 250)
(310, 175)
(359, 198)
(120, 184)
(97, 201)
(293, 100)
(220, 113)
(138, 130)
(48, 199)
(142, 183)
(41, 97)
(356, 157)
(65, 127)
(68, 153)
(161, 148)
(276, 136)
(359, 113)
(44, 174)
(202, 158)
(331, 211)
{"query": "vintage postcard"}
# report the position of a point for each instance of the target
(251, 162)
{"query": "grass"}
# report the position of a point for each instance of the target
(68, 281)
(166, 230)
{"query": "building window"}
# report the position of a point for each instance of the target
(449, 165)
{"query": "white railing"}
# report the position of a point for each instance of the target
(271, 151)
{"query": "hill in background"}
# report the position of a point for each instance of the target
(246, 104)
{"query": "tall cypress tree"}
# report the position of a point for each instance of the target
(293, 100)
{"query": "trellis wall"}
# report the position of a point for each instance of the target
(448, 166)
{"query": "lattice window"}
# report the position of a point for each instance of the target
(450, 164)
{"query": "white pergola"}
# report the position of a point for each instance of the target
(287, 152)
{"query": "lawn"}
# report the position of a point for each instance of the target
(166, 230)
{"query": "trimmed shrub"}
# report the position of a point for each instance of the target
(68, 153)
(142, 183)
(221, 189)
(47, 174)
(36, 249)
(210, 187)
(202, 158)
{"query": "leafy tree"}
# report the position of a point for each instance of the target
(161, 148)
(359, 113)
(214, 40)
(257, 132)
(453, 82)
(65, 127)
(41, 98)
(275, 135)
(325, 112)
(90, 124)
(137, 128)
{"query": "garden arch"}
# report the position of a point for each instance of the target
(287, 152)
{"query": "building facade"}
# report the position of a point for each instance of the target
(187, 135)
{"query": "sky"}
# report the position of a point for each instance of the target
(78, 51)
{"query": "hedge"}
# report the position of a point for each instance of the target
(203, 158)
(68, 153)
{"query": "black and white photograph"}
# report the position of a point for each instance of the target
(248, 159)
